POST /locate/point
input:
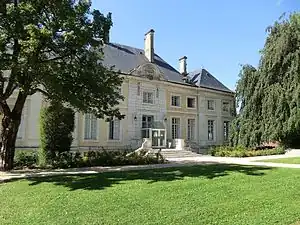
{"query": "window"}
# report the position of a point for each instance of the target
(211, 130)
(226, 130)
(191, 102)
(114, 130)
(147, 121)
(175, 101)
(225, 106)
(175, 128)
(211, 105)
(148, 97)
(90, 127)
(191, 129)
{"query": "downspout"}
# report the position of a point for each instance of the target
(198, 121)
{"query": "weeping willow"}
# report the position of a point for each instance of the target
(269, 96)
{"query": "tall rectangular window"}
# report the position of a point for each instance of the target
(210, 104)
(226, 130)
(191, 129)
(211, 124)
(114, 130)
(175, 101)
(148, 97)
(175, 128)
(90, 127)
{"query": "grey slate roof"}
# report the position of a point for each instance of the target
(203, 78)
(126, 58)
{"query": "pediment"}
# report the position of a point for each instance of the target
(148, 70)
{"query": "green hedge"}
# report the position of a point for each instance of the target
(31, 159)
(57, 125)
(240, 151)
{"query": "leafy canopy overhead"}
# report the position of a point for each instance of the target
(55, 47)
(269, 96)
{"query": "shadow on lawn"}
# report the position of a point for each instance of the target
(103, 180)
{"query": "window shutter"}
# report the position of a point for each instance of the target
(94, 128)
(117, 129)
(87, 126)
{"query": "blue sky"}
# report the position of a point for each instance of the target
(218, 35)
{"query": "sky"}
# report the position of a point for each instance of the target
(218, 35)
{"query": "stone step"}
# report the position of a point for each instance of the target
(172, 153)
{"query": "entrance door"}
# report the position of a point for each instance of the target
(158, 138)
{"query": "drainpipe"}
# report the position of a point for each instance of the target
(198, 120)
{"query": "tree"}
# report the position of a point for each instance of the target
(53, 47)
(56, 127)
(269, 96)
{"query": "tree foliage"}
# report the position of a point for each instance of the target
(54, 47)
(269, 96)
(56, 127)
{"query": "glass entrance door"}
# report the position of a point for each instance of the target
(158, 138)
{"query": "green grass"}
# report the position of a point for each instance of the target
(209, 194)
(291, 160)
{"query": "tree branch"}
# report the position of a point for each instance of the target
(5, 108)
(8, 92)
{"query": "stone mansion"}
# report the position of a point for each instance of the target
(166, 106)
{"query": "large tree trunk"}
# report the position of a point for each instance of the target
(10, 126)
(9, 133)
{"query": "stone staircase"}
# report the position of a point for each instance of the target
(172, 153)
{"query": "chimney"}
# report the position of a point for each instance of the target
(182, 66)
(149, 45)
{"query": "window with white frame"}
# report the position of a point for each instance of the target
(191, 102)
(90, 127)
(175, 128)
(148, 97)
(191, 129)
(226, 130)
(114, 130)
(225, 106)
(175, 101)
(211, 127)
(210, 104)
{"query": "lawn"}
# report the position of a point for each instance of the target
(291, 160)
(209, 194)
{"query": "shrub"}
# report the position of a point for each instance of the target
(57, 125)
(42, 158)
(240, 151)
(26, 158)
(34, 159)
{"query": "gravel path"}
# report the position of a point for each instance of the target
(174, 162)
